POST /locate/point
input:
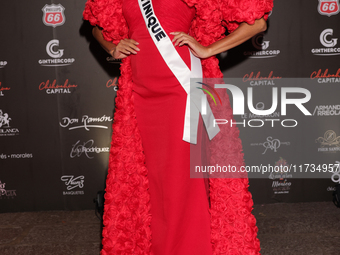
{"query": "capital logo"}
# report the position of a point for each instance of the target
(53, 15)
(51, 51)
(325, 40)
(4, 119)
(259, 43)
(72, 182)
(328, 7)
(257, 79)
(112, 83)
(326, 76)
(55, 88)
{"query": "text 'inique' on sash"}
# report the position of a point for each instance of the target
(156, 30)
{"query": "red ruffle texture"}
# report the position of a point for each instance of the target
(127, 201)
(107, 14)
(236, 11)
(233, 227)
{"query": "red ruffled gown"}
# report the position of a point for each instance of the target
(159, 209)
(180, 222)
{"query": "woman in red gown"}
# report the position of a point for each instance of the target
(152, 206)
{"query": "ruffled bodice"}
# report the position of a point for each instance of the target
(147, 64)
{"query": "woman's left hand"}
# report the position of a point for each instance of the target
(181, 38)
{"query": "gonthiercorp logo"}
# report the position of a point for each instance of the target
(259, 43)
(326, 38)
(329, 41)
(52, 49)
(262, 49)
(56, 53)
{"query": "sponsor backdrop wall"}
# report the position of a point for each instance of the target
(57, 92)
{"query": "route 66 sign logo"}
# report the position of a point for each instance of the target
(53, 15)
(328, 7)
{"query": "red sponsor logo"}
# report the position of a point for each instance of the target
(53, 15)
(112, 83)
(325, 74)
(3, 88)
(258, 77)
(328, 7)
(54, 85)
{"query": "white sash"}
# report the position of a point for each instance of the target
(183, 75)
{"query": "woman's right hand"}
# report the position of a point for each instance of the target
(124, 48)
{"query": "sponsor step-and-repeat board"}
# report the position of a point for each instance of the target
(57, 90)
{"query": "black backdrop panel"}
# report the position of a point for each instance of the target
(57, 103)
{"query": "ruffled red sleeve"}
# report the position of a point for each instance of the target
(107, 14)
(236, 11)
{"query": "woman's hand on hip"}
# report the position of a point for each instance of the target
(181, 38)
(124, 48)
